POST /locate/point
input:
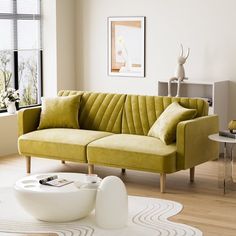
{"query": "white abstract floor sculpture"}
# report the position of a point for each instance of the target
(147, 217)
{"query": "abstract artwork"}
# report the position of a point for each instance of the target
(126, 47)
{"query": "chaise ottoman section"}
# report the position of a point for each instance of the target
(67, 144)
(136, 152)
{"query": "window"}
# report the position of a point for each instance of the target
(20, 49)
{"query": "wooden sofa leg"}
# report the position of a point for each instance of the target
(123, 171)
(192, 172)
(162, 182)
(63, 162)
(28, 164)
(90, 168)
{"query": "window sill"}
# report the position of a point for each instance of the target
(6, 114)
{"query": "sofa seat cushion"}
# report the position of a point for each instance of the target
(133, 152)
(67, 144)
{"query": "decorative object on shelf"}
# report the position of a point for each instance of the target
(232, 126)
(111, 208)
(126, 46)
(180, 72)
(209, 100)
(8, 99)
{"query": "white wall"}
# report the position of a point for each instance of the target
(8, 134)
(49, 44)
(58, 46)
(206, 26)
(66, 44)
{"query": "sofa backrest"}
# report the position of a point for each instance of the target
(99, 111)
(128, 114)
(140, 112)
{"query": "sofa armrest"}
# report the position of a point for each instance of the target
(28, 120)
(193, 144)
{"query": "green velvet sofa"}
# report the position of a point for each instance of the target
(113, 132)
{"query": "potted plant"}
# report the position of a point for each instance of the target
(8, 99)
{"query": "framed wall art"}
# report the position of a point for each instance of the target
(126, 46)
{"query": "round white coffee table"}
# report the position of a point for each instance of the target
(57, 204)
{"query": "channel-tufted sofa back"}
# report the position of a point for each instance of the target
(99, 111)
(140, 112)
(129, 114)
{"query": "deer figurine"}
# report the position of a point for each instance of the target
(179, 73)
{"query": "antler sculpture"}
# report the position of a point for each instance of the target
(180, 72)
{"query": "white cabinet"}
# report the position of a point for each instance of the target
(216, 91)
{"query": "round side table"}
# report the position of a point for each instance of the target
(226, 167)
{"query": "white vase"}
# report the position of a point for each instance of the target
(111, 208)
(11, 107)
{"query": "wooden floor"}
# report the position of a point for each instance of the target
(205, 206)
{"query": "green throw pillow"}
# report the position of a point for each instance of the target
(60, 112)
(165, 126)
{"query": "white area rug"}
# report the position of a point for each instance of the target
(147, 217)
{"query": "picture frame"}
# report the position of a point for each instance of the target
(126, 46)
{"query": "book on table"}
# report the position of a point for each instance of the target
(54, 181)
(227, 133)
